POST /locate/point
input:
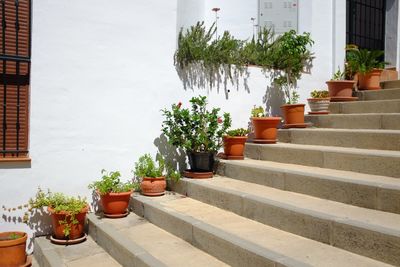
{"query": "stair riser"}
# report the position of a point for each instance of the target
(126, 253)
(373, 121)
(45, 254)
(365, 196)
(382, 141)
(320, 228)
(365, 107)
(379, 165)
(378, 95)
(390, 84)
(227, 248)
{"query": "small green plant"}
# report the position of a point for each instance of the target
(258, 111)
(319, 94)
(338, 75)
(146, 166)
(60, 203)
(364, 61)
(11, 236)
(237, 132)
(197, 129)
(110, 182)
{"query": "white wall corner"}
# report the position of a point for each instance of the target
(189, 12)
(338, 34)
(398, 38)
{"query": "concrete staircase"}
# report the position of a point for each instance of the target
(323, 196)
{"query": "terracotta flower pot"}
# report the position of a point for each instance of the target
(319, 104)
(293, 114)
(115, 203)
(370, 81)
(76, 229)
(265, 128)
(234, 146)
(343, 88)
(12, 252)
(153, 186)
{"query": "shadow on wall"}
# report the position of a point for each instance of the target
(176, 157)
(96, 203)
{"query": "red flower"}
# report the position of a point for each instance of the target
(179, 104)
(220, 120)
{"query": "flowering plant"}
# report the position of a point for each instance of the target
(196, 129)
(258, 112)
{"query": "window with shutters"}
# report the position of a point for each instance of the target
(15, 53)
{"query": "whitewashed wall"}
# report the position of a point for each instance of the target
(102, 70)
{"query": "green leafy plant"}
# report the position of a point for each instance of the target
(364, 61)
(146, 166)
(320, 94)
(258, 112)
(196, 129)
(338, 75)
(11, 236)
(110, 182)
(71, 206)
(237, 132)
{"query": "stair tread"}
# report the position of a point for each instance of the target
(374, 220)
(323, 173)
(161, 244)
(355, 131)
(350, 150)
(282, 246)
(87, 253)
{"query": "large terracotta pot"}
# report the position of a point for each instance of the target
(115, 203)
(12, 252)
(319, 104)
(76, 229)
(293, 114)
(153, 186)
(370, 81)
(201, 161)
(234, 145)
(265, 127)
(343, 88)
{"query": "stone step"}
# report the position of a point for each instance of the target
(368, 139)
(367, 232)
(237, 240)
(358, 189)
(373, 106)
(390, 84)
(379, 162)
(85, 254)
(378, 94)
(389, 121)
(133, 241)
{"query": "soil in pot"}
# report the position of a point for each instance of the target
(294, 115)
(319, 105)
(234, 146)
(153, 186)
(342, 89)
(115, 204)
(12, 249)
(201, 161)
(370, 81)
(265, 129)
(76, 230)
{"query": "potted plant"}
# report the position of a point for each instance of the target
(319, 102)
(264, 127)
(339, 88)
(153, 175)
(290, 55)
(198, 131)
(368, 66)
(12, 249)
(234, 142)
(114, 194)
(68, 215)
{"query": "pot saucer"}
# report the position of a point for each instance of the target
(197, 175)
(264, 141)
(224, 156)
(115, 216)
(295, 125)
(68, 241)
(343, 98)
(318, 112)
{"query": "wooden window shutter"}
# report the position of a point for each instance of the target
(15, 43)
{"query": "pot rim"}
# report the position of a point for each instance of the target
(52, 211)
(13, 242)
(153, 178)
(266, 118)
(318, 99)
(293, 105)
(235, 137)
(115, 193)
(341, 81)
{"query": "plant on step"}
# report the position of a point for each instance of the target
(110, 182)
(320, 94)
(237, 132)
(146, 166)
(364, 61)
(338, 75)
(258, 112)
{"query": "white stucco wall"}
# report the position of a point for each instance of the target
(101, 72)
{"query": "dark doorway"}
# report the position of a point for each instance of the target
(365, 25)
